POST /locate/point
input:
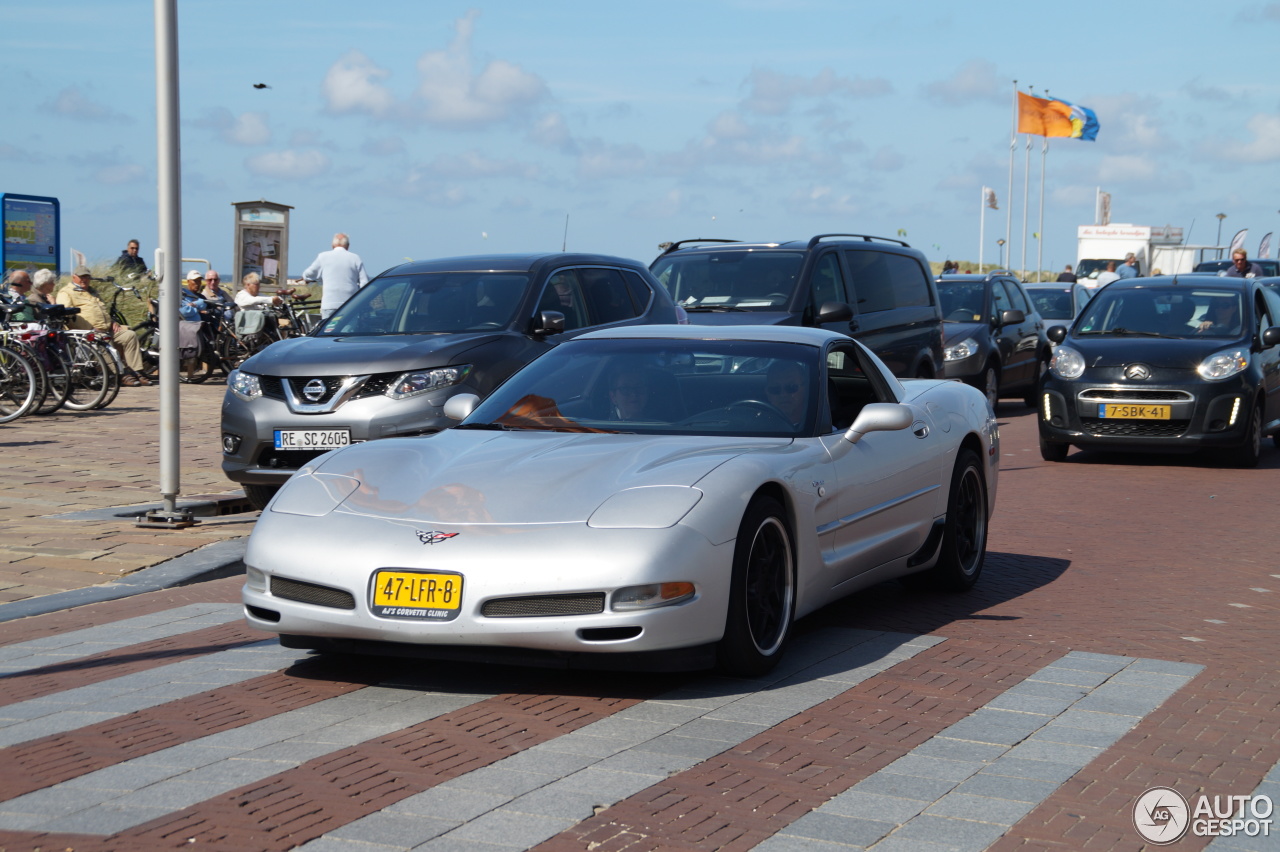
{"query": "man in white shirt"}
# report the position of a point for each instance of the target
(1108, 275)
(340, 273)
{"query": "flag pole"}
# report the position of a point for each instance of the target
(1044, 150)
(982, 224)
(1013, 145)
(1026, 197)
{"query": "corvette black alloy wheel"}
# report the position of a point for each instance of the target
(762, 599)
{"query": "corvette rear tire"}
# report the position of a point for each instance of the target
(762, 597)
(964, 538)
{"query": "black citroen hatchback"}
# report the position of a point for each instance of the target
(1166, 364)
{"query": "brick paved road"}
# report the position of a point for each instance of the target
(1123, 637)
(75, 461)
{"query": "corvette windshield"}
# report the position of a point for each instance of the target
(1177, 312)
(730, 280)
(660, 387)
(435, 302)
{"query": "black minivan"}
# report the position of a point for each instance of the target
(877, 290)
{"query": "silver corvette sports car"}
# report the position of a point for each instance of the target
(645, 497)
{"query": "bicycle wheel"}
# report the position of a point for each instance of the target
(90, 377)
(193, 371)
(149, 348)
(232, 351)
(114, 370)
(40, 378)
(17, 385)
(58, 371)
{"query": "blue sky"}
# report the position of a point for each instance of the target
(435, 128)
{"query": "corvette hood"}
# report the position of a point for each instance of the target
(1179, 354)
(310, 356)
(480, 477)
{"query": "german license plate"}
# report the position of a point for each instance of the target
(1121, 411)
(419, 595)
(312, 439)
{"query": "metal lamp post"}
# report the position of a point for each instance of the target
(1000, 243)
(1218, 241)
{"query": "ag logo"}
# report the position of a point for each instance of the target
(1161, 815)
(433, 536)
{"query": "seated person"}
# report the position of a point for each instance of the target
(1221, 319)
(1179, 317)
(787, 389)
(630, 395)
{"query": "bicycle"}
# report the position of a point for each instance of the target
(18, 382)
(193, 369)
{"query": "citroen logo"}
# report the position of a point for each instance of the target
(314, 390)
(1137, 372)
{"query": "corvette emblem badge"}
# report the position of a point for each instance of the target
(433, 536)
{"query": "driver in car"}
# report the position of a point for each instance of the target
(787, 388)
(629, 395)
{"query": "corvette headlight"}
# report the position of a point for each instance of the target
(1067, 363)
(964, 349)
(651, 595)
(1224, 364)
(424, 381)
(649, 507)
(245, 385)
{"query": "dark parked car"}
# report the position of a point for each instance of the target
(385, 363)
(1167, 364)
(1058, 300)
(871, 288)
(1269, 267)
(994, 337)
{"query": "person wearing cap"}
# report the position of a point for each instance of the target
(95, 315)
(340, 273)
(193, 307)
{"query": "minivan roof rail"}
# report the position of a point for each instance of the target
(864, 237)
(670, 247)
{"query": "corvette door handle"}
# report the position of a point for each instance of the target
(920, 428)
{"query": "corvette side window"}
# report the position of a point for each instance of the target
(849, 386)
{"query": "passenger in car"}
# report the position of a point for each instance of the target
(1221, 319)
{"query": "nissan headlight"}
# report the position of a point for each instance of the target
(419, 382)
(1067, 363)
(964, 349)
(1224, 364)
(245, 385)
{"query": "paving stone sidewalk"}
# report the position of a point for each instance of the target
(74, 461)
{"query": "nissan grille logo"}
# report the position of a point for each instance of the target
(314, 390)
(1137, 372)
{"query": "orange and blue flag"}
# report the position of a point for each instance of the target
(1056, 117)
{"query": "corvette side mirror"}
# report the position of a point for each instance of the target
(459, 406)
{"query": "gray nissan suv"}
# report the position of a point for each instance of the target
(385, 363)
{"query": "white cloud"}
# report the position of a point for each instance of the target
(352, 85)
(600, 159)
(73, 103)
(823, 201)
(1130, 124)
(291, 164)
(249, 128)
(976, 80)
(772, 93)
(1132, 168)
(452, 94)
(1264, 147)
(551, 131)
(17, 155)
(473, 164)
(665, 206)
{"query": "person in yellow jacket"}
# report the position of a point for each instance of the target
(95, 314)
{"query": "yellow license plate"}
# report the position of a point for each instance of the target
(1122, 411)
(419, 595)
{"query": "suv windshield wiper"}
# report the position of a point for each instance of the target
(495, 427)
(696, 308)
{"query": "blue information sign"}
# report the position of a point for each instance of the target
(31, 232)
